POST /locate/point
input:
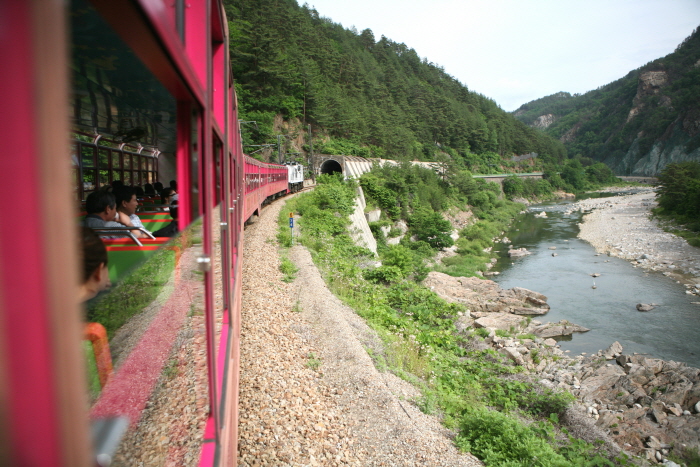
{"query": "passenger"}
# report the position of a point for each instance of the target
(102, 212)
(126, 209)
(166, 197)
(94, 275)
(171, 229)
(139, 191)
(116, 184)
(158, 187)
(173, 185)
(148, 190)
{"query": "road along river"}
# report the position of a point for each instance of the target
(605, 304)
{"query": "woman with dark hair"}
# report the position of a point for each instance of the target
(166, 195)
(94, 276)
(148, 190)
(158, 187)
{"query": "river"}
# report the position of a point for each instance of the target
(669, 332)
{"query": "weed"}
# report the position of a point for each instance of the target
(171, 370)
(288, 269)
(313, 362)
(296, 308)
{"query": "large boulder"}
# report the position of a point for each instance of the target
(516, 253)
(562, 328)
(482, 295)
(613, 351)
(504, 321)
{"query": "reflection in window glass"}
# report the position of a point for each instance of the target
(142, 298)
(103, 156)
(194, 164)
(87, 156)
(89, 180)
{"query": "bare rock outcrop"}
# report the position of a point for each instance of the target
(543, 121)
(562, 328)
(480, 295)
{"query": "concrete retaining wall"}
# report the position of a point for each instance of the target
(359, 229)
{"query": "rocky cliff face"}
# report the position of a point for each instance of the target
(636, 125)
(543, 121)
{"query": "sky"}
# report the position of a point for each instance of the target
(515, 51)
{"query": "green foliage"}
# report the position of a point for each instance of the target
(431, 227)
(679, 200)
(366, 96)
(288, 269)
(679, 192)
(498, 439)
(313, 361)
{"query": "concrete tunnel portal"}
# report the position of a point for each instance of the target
(330, 167)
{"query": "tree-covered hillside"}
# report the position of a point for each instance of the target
(373, 97)
(637, 124)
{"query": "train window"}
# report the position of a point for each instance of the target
(87, 156)
(155, 314)
(194, 164)
(116, 160)
(218, 148)
(103, 165)
(89, 180)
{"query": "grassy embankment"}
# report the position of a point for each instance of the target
(499, 415)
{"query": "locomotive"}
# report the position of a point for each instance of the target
(138, 91)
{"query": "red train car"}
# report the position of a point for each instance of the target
(262, 182)
(134, 90)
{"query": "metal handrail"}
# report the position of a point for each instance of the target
(126, 230)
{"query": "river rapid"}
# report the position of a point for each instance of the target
(604, 304)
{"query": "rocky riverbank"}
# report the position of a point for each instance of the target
(647, 407)
(621, 226)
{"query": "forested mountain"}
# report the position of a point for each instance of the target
(637, 124)
(362, 95)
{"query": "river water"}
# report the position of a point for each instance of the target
(670, 331)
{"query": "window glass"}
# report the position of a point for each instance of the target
(89, 181)
(87, 155)
(194, 164)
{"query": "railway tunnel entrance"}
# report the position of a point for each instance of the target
(330, 167)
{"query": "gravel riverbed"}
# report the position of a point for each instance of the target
(309, 392)
(621, 226)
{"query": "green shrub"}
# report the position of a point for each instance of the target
(288, 269)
